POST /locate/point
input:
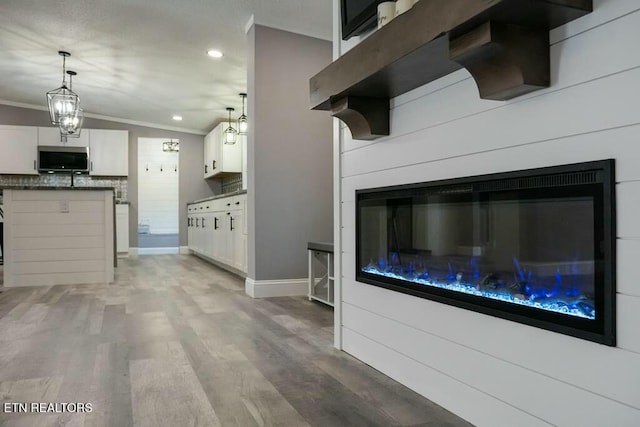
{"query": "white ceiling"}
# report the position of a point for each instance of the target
(142, 60)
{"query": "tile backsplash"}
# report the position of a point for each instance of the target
(232, 183)
(119, 183)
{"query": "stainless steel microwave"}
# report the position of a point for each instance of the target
(53, 159)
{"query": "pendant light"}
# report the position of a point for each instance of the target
(171, 146)
(62, 102)
(230, 133)
(71, 126)
(243, 124)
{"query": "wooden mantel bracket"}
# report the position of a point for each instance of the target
(367, 118)
(504, 44)
(505, 60)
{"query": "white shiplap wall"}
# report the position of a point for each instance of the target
(58, 237)
(157, 186)
(490, 371)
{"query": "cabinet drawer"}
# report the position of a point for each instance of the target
(238, 202)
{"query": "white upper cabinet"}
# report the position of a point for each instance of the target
(108, 152)
(18, 150)
(108, 149)
(221, 158)
(51, 136)
(209, 146)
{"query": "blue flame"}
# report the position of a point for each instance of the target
(451, 275)
(549, 295)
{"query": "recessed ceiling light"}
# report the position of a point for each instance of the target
(178, 118)
(214, 53)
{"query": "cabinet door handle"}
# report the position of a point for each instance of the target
(34, 165)
(202, 222)
(205, 168)
(91, 163)
(215, 223)
(237, 203)
(197, 222)
(213, 164)
(231, 222)
(228, 204)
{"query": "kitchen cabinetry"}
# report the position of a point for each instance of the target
(216, 230)
(209, 161)
(122, 228)
(108, 149)
(109, 152)
(221, 159)
(18, 150)
(51, 136)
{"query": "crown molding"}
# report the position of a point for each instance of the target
(109, 118)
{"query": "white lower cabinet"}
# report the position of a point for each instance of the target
(122, 228)
(216, 230)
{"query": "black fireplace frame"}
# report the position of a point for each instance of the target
(601, 330)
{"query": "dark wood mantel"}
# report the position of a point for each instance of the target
(504, 44)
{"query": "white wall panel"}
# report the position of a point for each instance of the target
(620, 144)
(57, 242)
(548, 353)
(441, 387)
(627, 256)
(555, 402)
(628, 198)
(568, 70)
(157, 187)
(537, 119)
(58, 237)
(507, 373)
(628, 336)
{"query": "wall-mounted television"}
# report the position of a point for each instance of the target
(357, 16)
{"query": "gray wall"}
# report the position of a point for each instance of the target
(290, 176)
(192, 185)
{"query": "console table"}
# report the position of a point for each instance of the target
(321, 288)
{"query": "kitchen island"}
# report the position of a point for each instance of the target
(58, 236)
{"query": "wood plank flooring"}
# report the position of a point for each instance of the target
(176, 342)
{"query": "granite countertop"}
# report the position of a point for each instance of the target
(320, 246)
(219, 196)
(49, 187)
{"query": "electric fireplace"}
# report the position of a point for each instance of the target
(534, 246)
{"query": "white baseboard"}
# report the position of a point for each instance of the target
(275, 288)
(184, 250)
(157, 251)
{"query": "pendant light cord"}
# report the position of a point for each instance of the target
(64, 72)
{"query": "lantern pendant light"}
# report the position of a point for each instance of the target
(243, 124)
(230, 133)
(62, 102)
(71, 126)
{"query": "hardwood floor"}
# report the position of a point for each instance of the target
(176, 342)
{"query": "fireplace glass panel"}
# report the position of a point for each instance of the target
(534, 250)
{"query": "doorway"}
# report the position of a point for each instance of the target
(158, 183)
